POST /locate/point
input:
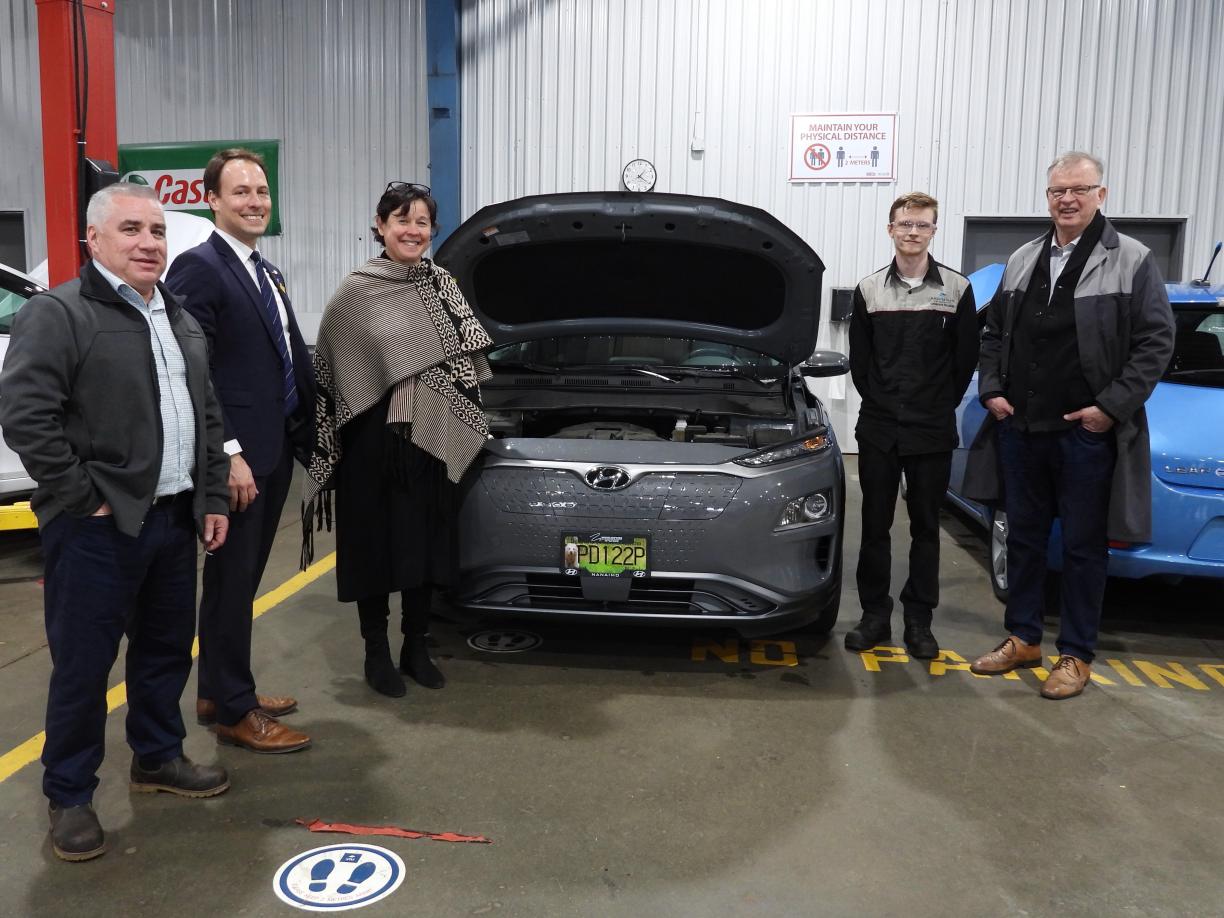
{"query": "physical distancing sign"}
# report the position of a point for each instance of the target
(336, 878)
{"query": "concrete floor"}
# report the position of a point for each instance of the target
(647, 772)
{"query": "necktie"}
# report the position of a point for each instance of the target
(278, 334)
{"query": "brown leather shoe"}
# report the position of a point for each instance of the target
(273, 706)
(1067, 678)
(260, 732)
(1013, 653)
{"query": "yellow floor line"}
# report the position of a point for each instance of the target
(19, 757)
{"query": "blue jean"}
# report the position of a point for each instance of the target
(99, 584)
(1065, 474)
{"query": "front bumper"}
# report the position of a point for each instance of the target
(716, 558)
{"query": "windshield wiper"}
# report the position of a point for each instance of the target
(650, 373)
(723, 370)
(524, 365)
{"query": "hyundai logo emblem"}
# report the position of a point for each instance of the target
(607, 478)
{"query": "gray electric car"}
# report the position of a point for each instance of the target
(657, 456)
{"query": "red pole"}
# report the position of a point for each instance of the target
(60, 117)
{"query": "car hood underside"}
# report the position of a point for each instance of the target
(665, 265)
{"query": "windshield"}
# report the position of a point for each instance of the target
(1198, 348)
(13, 295)
(616, 353)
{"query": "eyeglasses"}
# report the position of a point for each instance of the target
(1078, 190)
(408, 187)
(908, 226)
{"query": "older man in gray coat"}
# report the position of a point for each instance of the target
(108, 403)
(1075, 340)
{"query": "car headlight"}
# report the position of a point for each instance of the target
(811, 443)
(804, 510)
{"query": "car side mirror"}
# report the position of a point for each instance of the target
(825, 363)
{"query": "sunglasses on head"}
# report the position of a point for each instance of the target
(409, 187)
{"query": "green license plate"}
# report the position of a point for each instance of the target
(605, 555)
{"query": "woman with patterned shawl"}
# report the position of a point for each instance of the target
(398, 359)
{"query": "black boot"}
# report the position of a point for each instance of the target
(918, 638)
(869, 632)
(414, 655)
(379, 669)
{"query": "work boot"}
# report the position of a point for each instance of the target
(918, 638)
(414, 658)
(76, 834)
(379, 668)
(871, 631)
(920, 642)
(180, 776)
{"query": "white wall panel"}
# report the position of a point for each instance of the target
(21, 166)
(558, 94)
(340, 83)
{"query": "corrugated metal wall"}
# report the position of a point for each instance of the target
(559, 94)
(21, 171)
(341, 84)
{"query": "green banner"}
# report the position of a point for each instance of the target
(176, 172)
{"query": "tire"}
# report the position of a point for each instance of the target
(998, 555)
(823, 623)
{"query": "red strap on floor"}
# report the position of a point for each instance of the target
(344, 828)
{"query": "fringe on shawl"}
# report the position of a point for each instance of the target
(316, 513)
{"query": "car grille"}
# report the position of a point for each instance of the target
(654, 496)
(647, 596)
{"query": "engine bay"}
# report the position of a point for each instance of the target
(593, 424)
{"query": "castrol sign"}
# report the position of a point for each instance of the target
(176, 172)
(177, 189)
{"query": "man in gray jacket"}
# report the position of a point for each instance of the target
(1076, 338)
(107, 400)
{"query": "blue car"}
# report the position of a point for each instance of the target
(1186, 420)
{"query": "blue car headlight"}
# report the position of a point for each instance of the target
(811, 443)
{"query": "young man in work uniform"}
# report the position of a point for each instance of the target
(913, 349)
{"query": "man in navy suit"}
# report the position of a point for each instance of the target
(262, 375)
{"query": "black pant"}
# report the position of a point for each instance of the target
(1066, 474)
(231, 580)
(99, 583)
(926, 479)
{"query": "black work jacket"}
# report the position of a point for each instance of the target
(912, 355)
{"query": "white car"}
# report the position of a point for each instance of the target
(15, 289)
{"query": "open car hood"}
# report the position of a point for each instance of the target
(618, 263)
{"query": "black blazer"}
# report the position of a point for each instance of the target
(246, 365)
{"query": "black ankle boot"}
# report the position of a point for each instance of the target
(380, 672)
(414, 655)
(379, 669)
(416, 662)
(868, 633)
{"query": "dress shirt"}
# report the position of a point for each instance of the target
(243, 251)
(177, 414)
(1058, 260)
